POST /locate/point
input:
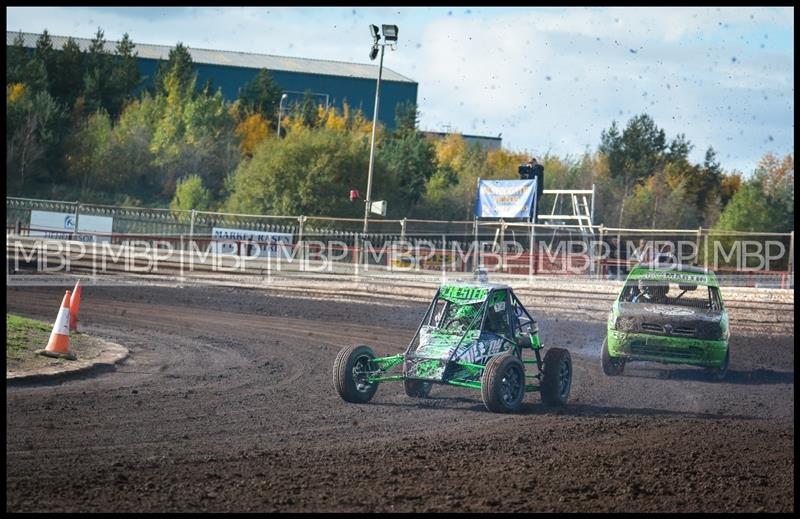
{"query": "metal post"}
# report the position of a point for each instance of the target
(697, 246)
(356, 254)
(301, 219)
(534, 221)
(591, 218)
(502, 245)
(372, 146)
(475, 245)
(590, 245)
(530, 255)
(403, 229)
(191, 229)
(599, 267)
(77, 214)
(791, 259)
(533, 246)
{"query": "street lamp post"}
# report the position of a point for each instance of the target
(280, 113)
(389, 35)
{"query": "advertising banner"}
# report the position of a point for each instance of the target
(60, 226)
(413, 260)
(505, 198)
(244, 242)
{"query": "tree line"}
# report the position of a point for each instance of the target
(81, 124)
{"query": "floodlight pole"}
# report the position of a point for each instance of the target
(372, 146)
(280, 113)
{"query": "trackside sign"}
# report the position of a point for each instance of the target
(245, 242)
(61, 226)
(505, 198)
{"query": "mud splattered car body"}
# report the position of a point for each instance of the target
(646, 323)
(472, 335)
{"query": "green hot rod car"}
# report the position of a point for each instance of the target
(672, 315)
(472, 335)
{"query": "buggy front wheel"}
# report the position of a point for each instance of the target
(417, 388)
(556, 377)
(351, 370)
(503, 383)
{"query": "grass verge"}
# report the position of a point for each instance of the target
(24, 337)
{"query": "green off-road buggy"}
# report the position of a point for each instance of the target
(473, 335)
(668, 314)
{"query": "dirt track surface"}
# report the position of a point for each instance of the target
(227, 404)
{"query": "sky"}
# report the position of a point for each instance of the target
(548, 80)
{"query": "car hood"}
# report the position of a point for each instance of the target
(670, 320)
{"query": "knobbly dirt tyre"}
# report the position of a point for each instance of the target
(348, 378)
(556, 377)
(503, 383)
(718, 374)
(611, 366)
(417, 388)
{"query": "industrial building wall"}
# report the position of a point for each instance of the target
(358, 92)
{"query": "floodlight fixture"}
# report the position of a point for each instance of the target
(373, 53)
(390, 32)
(375, 34)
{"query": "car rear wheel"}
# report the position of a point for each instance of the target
(718, 374)
(417, 388)
(611, 366)
(351, 368)
(556, 376)
(503, 383)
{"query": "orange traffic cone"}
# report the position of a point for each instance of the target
(74, 305)
(58, 345)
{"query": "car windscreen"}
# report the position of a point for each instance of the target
(454, 317)
(673, 294)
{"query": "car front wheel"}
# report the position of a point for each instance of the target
(611, 366)
(718, 374)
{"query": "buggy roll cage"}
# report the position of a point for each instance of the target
(513, 321)
(517, 321)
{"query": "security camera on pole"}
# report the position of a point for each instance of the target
(390, 39)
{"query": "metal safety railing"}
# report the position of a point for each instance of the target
(515, 247)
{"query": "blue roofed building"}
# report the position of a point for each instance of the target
(331, 82)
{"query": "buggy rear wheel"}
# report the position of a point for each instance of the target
(611, 366)
(556, 376)
(351, 368)
(417, 388)
(503, 383)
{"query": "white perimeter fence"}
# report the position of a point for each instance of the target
(509, 247)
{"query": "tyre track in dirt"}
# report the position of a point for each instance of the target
(226, 404)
